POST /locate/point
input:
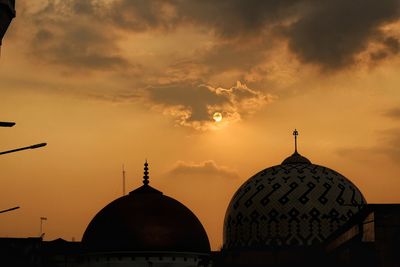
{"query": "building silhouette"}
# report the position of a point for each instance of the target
(296, 213)
(145, 228)
(7, 13)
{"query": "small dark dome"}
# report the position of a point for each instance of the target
(146, 220)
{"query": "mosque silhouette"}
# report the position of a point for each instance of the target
(293, 214)
(296, 213)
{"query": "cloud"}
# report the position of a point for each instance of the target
(232, 19)
(388, 46)
(205, 169)
(72, 35)
(326, 33)
(330, 34)
(391, 143)
(193, 103)
(388, 145)
(93, 50)
(392, 43)
(142, 15)
(393, 113)
(225, 61)
(239, 55)
(390, 140)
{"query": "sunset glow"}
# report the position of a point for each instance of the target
(209, 95)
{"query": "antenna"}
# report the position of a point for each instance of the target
(123, 180)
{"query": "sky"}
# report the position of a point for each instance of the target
(113, 82)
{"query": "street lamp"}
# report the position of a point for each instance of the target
(7, 13)
(7, 210)
(6, 124)
(11, 124)
(23, 148)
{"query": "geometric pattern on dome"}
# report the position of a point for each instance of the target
(290, 205)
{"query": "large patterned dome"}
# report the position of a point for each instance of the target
(296, 203)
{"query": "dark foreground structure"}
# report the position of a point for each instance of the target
(7, 13)
(371, 240)
(293, 214)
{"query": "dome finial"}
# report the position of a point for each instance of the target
(146, 173)
(295, 134)
(296, 157)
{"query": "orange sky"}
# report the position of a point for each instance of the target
(107, 83)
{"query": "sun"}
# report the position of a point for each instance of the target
(217, 116)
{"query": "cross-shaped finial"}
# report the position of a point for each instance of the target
(295, 133)
(146, 173)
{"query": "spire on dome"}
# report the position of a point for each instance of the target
(296, 157)
(295, 134)
(146, 173)
(145, 188)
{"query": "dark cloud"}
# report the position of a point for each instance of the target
(194, 103)
(378, 55)
(191, 97)
(332, 33)
(142, 15)
(71, 34)
(326, 33)
(78, 47)
(88, 7)
(226, 56)
(232, 58)
(204, 169)
(393, 44)
(227, 18)
(236, 18)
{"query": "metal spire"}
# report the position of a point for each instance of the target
(146, 173)
(296, 158)
(295, 133)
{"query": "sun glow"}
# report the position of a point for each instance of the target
(217, 117)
